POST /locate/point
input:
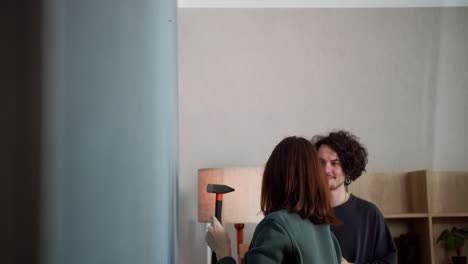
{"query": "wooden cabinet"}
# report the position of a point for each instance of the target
(420, 202)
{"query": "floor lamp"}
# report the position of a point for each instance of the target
(239, 207)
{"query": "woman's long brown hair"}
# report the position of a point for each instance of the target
(293, 180)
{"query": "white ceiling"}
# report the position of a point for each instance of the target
(317, 3)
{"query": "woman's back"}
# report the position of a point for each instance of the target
(284, 237)
(296, 203)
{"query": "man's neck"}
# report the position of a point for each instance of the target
(338, 196)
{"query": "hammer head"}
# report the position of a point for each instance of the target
(218, 188)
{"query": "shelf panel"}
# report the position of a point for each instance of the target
(448, 215)
(402, 192)
(447, 192)
(406, 216)
(425, 215)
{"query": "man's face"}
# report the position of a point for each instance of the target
(332, 167)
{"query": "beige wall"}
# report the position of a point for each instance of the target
(451, 108)
(249, 77)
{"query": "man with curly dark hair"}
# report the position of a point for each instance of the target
(364, 237)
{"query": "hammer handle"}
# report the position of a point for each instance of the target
(218, 208)
(213, 258)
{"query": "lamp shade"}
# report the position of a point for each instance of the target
(240, 206)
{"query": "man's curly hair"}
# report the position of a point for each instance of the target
(352, 154)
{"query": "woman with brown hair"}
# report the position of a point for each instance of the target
(295, 202)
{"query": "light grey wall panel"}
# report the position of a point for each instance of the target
(111, 132)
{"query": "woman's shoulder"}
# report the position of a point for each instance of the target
(281, 216)
(289, 220)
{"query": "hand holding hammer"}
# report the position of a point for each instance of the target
(218, 239)
(216, 233)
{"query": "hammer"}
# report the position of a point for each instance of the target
(219, 190)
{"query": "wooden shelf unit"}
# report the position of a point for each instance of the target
(420, 202)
